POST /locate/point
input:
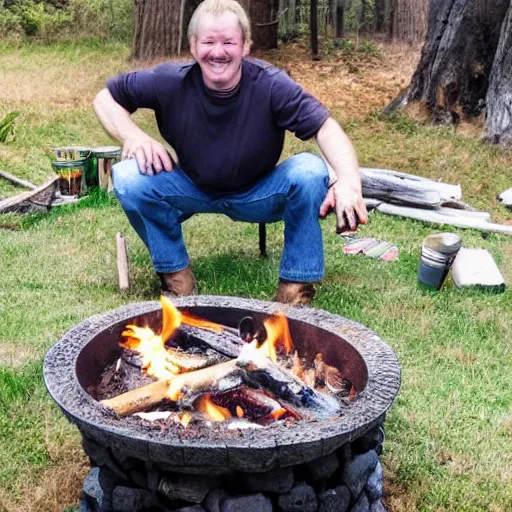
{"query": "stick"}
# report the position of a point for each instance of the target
(18, 181)
(454, 212)
(122, 262)
(437, 218)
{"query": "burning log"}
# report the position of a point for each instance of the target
(138, 399)
(262, 372)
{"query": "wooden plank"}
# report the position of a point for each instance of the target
(454, 212)
(399, 191)
(446, 190)
(32, 200)
(438, 218)
(122, 262)
(18, 181)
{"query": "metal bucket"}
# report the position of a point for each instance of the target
(71, 176)
(437, 254)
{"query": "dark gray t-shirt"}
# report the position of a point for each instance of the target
(223, 144)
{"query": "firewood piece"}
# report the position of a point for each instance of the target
(262, 372)
(437, 218)
(122, 262)
(447, 191)
(399, 190)
(455, 212)
(220, 377)
(225, 342)
(37, 200)
(18, 181)
(138, 399)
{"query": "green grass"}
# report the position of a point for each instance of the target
(448, 436)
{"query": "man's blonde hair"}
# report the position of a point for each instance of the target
(216, 8)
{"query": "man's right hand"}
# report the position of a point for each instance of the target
(150, 154)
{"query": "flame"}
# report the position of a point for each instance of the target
(276, 414)
(151, 346)
(171, 318)
(239, 412)
(189, 319)
(278, 336)
(215, 412)
(185, 418)
(152, 349)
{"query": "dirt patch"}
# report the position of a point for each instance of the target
(58, 487)
(396, 497)
(457, 354)
(355, 85)
(14, 355)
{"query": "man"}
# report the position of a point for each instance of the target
(226, 116)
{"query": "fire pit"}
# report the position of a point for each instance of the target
(326, 463)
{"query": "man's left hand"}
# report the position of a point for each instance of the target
(348, 204)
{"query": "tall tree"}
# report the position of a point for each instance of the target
(410, 20)
(498, 125)
(465, 65)
(264, 16)
(157, 26)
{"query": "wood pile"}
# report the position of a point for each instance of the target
(407, 195)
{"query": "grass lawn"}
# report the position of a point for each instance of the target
(448, 444)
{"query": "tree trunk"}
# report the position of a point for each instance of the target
(410, 20)
(452, 76)
(380, 15)
(498, 126)
(156, 28)
(314, 28)
(339, 17)
(264, 16)
(362, 16)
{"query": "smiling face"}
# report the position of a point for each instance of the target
(219, 47)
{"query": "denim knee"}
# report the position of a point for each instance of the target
(308, 175)
(127, 181)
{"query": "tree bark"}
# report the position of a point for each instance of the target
(313, 24)
(339, 17)
(452, 77)
(410, 20)
(156, 28)
(264, 16)
(380, 15)
(498, 126)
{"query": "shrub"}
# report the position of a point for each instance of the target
(7, 125)
(52, 20)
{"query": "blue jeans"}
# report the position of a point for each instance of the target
(293, 192)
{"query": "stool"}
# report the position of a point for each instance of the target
(262, 230)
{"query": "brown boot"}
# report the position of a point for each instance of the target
(176, 284)
(295, 294)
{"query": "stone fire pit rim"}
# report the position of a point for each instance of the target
(370, 407)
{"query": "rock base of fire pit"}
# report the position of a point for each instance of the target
(347, 480)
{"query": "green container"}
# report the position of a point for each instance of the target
(104, 158)
(77, 153)
(71, 177)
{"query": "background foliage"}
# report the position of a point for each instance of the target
(57, 20)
